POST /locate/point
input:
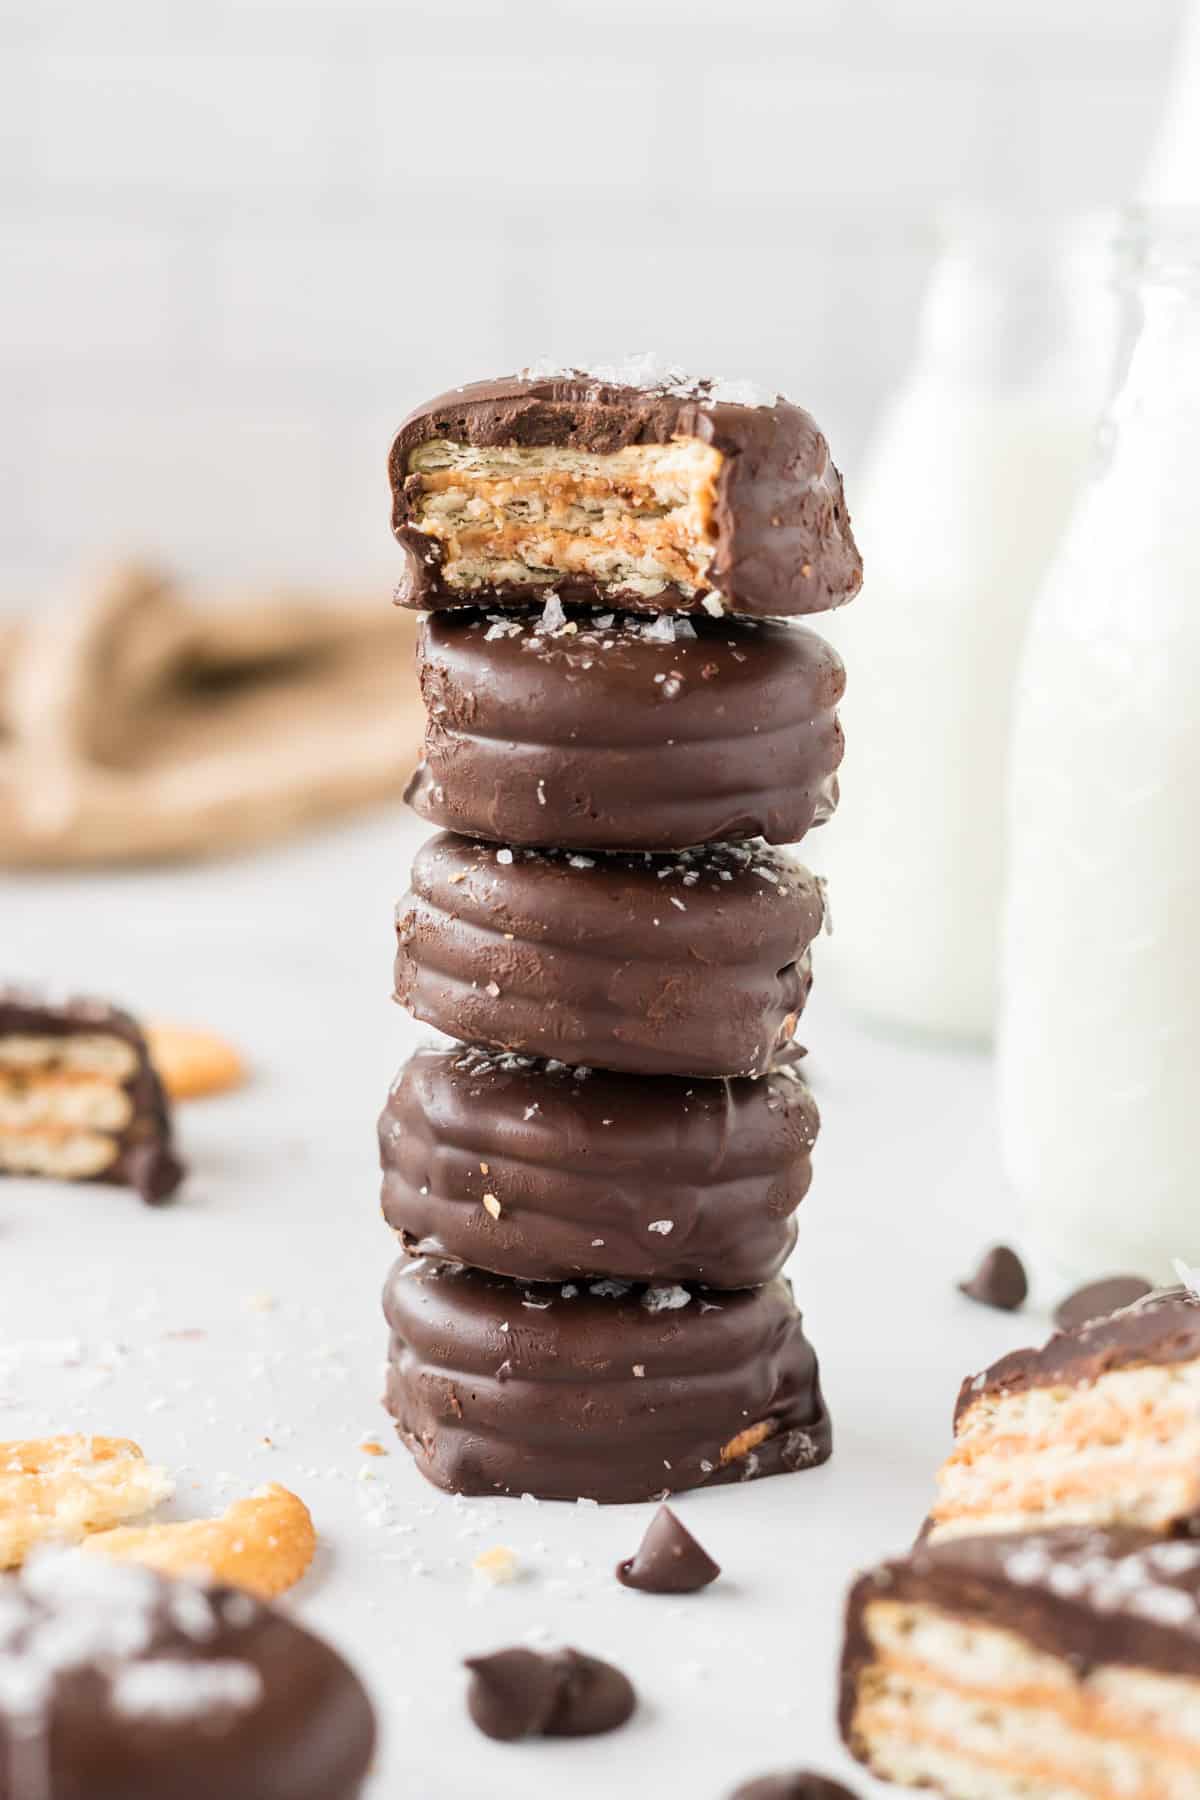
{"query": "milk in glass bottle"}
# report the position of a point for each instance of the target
(1100, 1038)
(966, 492)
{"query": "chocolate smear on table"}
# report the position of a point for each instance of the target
(563, 1693)
(668, 1560)
(998, 1281)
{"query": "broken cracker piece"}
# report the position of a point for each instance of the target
(59, 1489)
(193, 1063)
(262, 1544)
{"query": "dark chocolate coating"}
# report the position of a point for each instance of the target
(999, 1281)
(668, 1560)
(784, 544)
(796, 1784)
(1098, 1298)
(695, 964)
(145, 1159)
(606, 739)
(558, 1693)
(1090, 1597)
(499, 1388)
(1163, 1328)
(589, 1170)
(309, 1735)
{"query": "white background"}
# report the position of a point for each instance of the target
(239, 241)
(290, 953)
(241, 237)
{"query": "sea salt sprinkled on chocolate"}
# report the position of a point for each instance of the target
(665, 1298)
(653, 375)
(504, 856)
(174, 1688)
(553, 617)
(610, 1290)
(663, 1226)
(1189, 1277)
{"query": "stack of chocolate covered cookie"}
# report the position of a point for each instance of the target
(595, 1186)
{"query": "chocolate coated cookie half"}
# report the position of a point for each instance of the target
(603, 731)
(645, 487)
(598, 1390)
(692, 964)
(546, 1173)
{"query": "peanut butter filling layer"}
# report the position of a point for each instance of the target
(637, 520)
(977, 1711)
(1124, 1450)
(92, 1053)
(63, 1103)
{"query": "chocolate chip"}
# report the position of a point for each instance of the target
(668, 1559)
(999, 1280)
(512, 1693)
(594, 1696)
(522, 1693)
(799, 1784)
(1099, 1298)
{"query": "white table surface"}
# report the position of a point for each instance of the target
(272, 1264)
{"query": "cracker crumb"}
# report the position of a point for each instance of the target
(497, 1565)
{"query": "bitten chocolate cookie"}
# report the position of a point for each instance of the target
(612, 732)
(1101, 1426)
(652, 488)
(544, 1172)
(1047, 1664)
(601, 1390)
(79, 1097)
(694, 964)
(120, 1685)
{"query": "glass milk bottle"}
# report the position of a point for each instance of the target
(1100, 1039)
(1173, 175)
(967, 490)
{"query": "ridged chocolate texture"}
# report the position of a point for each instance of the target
(1163, 1328)
(302, 1729)
(542, 1173)
(585, 1392)
(1091, 1597)
(695, 964)
(606, 738)
(144, 1158)
(783, 544)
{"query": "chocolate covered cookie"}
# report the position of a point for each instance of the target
(605, 731)
(1100, 1426)
(79, 1097)
(634, 485)
(1034, 1667)
(545, 1172)
(694, 964)
(598, 1390)
(120, 1685)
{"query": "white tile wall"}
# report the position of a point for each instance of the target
(241, 237)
